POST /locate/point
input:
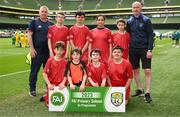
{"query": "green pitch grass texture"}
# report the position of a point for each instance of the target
(14, 89)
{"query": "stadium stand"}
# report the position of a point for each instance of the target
(148, 3)
(70, 5)
(52, 4)
(126, 4)
(106, 4)
(12, 10)
(13, 20)
(90, 4)
(85, 4)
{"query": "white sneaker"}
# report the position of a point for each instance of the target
(32, 94)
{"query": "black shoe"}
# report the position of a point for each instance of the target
(138, 93)
(42, 99)
(32, 93)
(147, 98)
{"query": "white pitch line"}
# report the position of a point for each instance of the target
(14, 73)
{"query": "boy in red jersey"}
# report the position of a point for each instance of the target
(58, 32)
(80, 35)
(120, 71)
(96, 70)
(122, 38)
(101, 39)
(76, 71)
(53, 72)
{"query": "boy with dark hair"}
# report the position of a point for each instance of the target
(96, 70)
(102, 39)
(80, 35)
(120, 71)
(76, 70)
(53, 72)
(122, 38)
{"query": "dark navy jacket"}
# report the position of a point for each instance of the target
(39, 37)
(141, 32)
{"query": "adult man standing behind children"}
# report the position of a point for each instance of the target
(141, 44)
(38, 42)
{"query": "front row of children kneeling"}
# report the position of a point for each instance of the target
(117, 73)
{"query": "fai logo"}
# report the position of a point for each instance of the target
(116, 98)
(57, 99)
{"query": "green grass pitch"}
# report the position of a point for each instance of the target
(15, 101)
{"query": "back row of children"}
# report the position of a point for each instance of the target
(98, 58)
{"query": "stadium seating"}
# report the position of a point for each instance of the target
(87, 22)
(87, 4)
(126, 4)
(13, 20)
(52, 4)
(70, 5)
(173, 20)
(90, 4)
(149, 3)
(174, 2)
(19, 3)
(106, 4)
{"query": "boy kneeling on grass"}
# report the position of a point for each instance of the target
(120, 71)
(76, 70)
(96, 70)
(53, 72)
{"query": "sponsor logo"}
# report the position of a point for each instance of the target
(39, 26)
(116, 98)
(57, 99)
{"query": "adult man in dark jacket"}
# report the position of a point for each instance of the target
(38, 42)
(141, 45)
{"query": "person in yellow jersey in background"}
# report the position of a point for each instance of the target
(26, 38)
(17, 37)
(23, 39)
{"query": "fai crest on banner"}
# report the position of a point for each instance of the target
(117, 98)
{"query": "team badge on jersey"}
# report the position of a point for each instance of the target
(117, 98)
(39, 26)
(141, 25)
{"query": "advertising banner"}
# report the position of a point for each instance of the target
(93, 99)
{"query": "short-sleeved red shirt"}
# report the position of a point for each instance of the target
(97, 74)
(119, 73)
(80, 35)
(122, 40)
(55, 70)
(58, 34)
(100, 40)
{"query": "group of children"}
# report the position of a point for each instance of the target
(98, 58)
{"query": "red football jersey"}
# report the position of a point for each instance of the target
(58, 34)
(55, 70)
(122, 40)
(80, 35)
(97, 74)
(100, 40)
(120, 73)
